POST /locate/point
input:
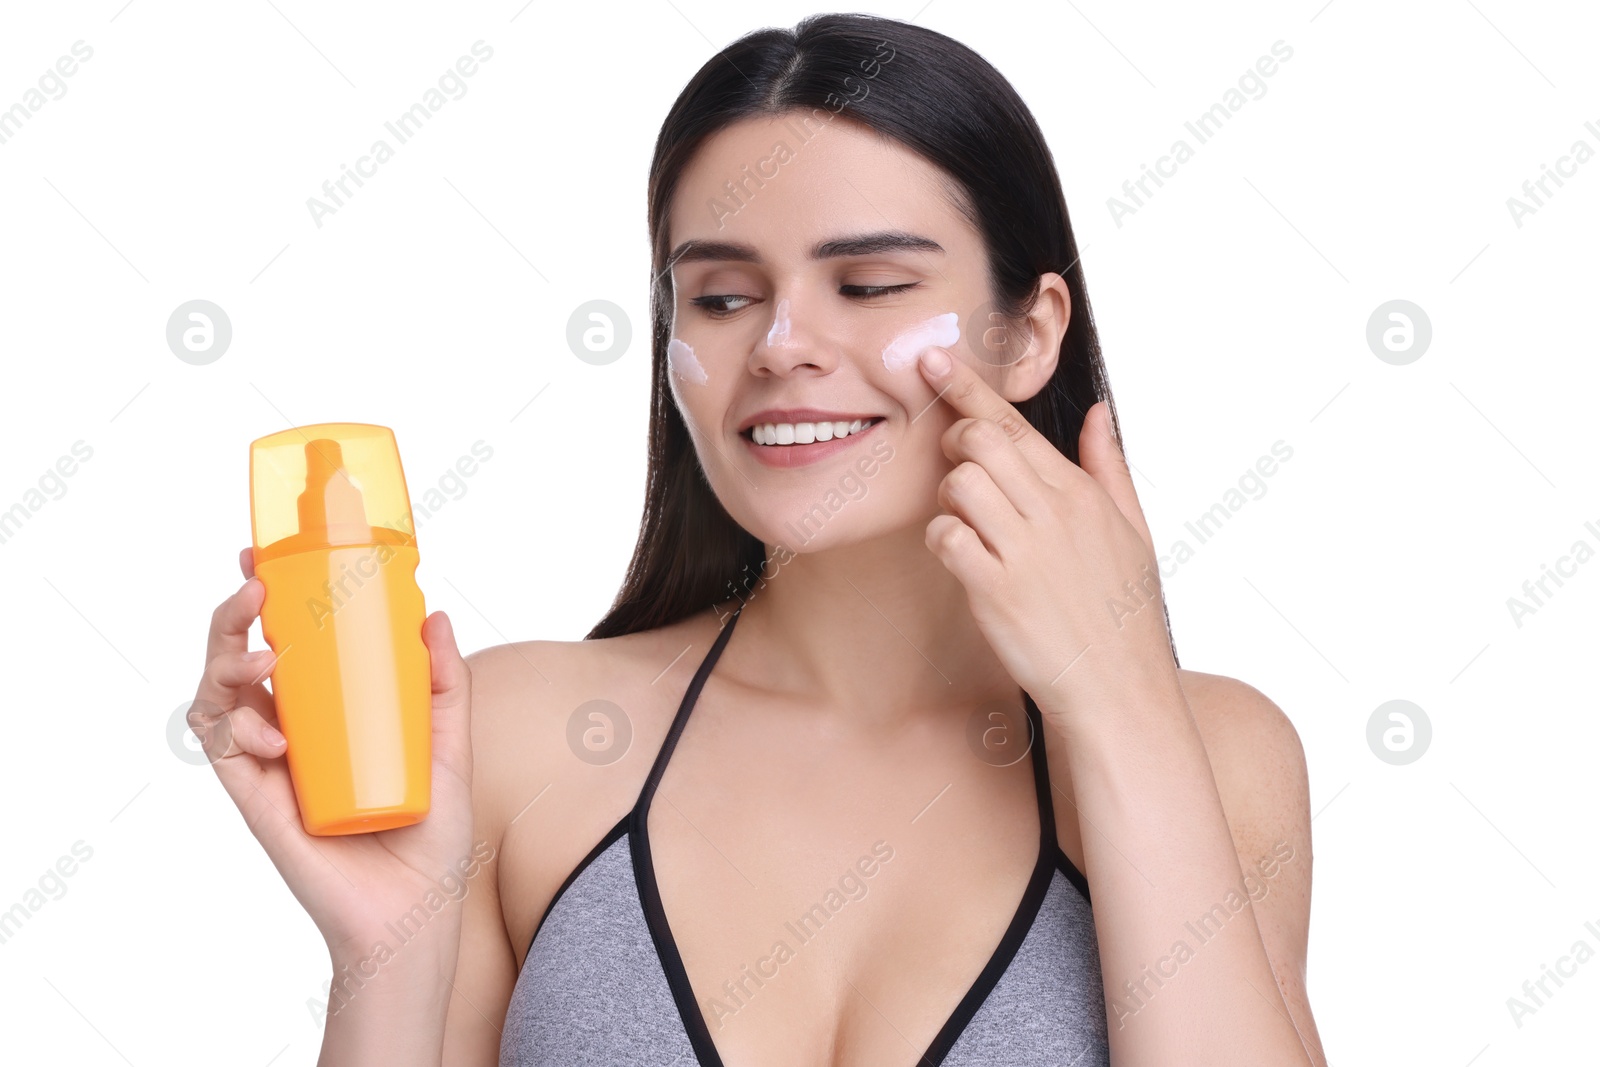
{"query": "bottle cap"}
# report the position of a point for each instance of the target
(325, 485)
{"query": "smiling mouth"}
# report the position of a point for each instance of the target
(784, 434)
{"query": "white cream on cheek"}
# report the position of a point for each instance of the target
(941, 330)
(779, 334)
(680, 357)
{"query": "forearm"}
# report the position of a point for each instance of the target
(1186, 976)
(389, 1010)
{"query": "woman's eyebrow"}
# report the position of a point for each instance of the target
(869, 244)
(865, 244)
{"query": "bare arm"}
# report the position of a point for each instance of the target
(485, 972)
(1201, 878)
(1260, 770)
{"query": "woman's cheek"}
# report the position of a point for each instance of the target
(681, 359)
(691, 387)
(903, 349)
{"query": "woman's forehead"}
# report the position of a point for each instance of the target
(756, 183)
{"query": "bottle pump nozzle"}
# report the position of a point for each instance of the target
(331, 500)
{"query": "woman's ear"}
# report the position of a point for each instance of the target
(1046, 327)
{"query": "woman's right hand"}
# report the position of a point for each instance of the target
(353, 886)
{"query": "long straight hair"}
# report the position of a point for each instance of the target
(943, 101)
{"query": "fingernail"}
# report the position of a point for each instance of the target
(272, 736)
(936, 361)
(260, 656)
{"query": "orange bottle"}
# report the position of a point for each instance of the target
(335, 547)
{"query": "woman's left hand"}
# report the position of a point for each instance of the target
(1057, 560)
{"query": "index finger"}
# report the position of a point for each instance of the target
(230, 622)
(966, 391)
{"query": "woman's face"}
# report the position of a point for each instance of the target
(822, 259)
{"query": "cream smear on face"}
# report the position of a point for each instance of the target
(680, 357)
(779, 334)
(941, 330)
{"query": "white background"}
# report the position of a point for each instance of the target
(1232, 308)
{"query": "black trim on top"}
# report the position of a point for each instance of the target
(594, 853)
(1050, 858)
(1075, 876)
(1047, 808)
(617, 830)
(1027, 909)
(1041, 775)
(644, 870)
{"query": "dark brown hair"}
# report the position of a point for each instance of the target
(938, 98)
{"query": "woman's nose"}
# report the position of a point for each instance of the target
(791, 340)
(779, 333)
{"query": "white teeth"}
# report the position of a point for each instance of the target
(804, 433)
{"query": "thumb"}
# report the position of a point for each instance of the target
(1103, 460)
(452, 695)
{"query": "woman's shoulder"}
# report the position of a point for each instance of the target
(575, 717)
(1257, 759)
(1260, 769)
(1231, 710)
(522, 680)
(563, 737)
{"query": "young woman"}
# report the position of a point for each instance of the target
(882, 755)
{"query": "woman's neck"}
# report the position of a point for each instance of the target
(877, 629)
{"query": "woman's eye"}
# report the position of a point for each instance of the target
(716, 306)
(876, 290)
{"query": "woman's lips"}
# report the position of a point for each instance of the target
(784, 456)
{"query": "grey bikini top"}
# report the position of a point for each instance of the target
(603, 982)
